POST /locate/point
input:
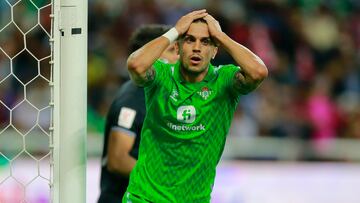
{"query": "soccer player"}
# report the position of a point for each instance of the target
(190, 106)
(124, 121)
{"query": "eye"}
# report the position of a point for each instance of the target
(189, 39)
(206, 41)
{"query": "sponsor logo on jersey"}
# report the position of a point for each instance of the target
(174, 95)
(205, 92)
(186, 114)
(185, 127)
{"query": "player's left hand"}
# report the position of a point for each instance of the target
(214, 26)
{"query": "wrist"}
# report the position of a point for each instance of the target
(171, 35)
(220, 36)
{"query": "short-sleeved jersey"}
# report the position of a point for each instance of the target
(184, 134)
(126, 114)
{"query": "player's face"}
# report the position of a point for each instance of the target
(196, 48)
(170, 54)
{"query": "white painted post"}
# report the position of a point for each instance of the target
(70, 101)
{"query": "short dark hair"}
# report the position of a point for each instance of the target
(200, 20)
(145, 34)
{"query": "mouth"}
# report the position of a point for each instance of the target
(195, 60)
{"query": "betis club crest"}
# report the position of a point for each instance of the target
(204, 92)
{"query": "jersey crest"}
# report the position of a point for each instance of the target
(205, 93)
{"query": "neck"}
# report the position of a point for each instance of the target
(193, 77)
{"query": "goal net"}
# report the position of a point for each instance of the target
(25, 101)
(35, 119)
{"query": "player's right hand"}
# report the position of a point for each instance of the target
(185, 21)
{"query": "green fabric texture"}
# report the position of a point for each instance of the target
(184, 134)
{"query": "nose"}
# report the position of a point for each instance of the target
(197, 45)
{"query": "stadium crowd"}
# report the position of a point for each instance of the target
(312, 50)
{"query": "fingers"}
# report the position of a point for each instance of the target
(184, 22)
(198, 14)
(213, 24)
(209, 18)
(201, 15)
(198, 11)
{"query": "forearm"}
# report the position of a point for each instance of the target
(252, 67)
(142, 59)
(118, 158)
(122, 164)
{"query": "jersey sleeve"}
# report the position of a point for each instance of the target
(126, 117)
(161, 70)
(228, 74)
(125, 121)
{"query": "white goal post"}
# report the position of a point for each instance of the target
(70, 100)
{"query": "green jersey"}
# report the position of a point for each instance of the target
(184, 134)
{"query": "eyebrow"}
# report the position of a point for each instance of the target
(188, 35)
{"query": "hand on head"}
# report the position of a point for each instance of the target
(185, 21)
(213, 25)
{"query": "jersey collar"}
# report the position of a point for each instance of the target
(177, 75)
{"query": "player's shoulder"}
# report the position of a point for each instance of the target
(226, 71)
(163, 69)
(161, 64)
(226, 68)
(128, 88)
(129, 95)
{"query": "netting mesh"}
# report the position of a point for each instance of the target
(26, 100)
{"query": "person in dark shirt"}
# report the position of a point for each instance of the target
(124, 122)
